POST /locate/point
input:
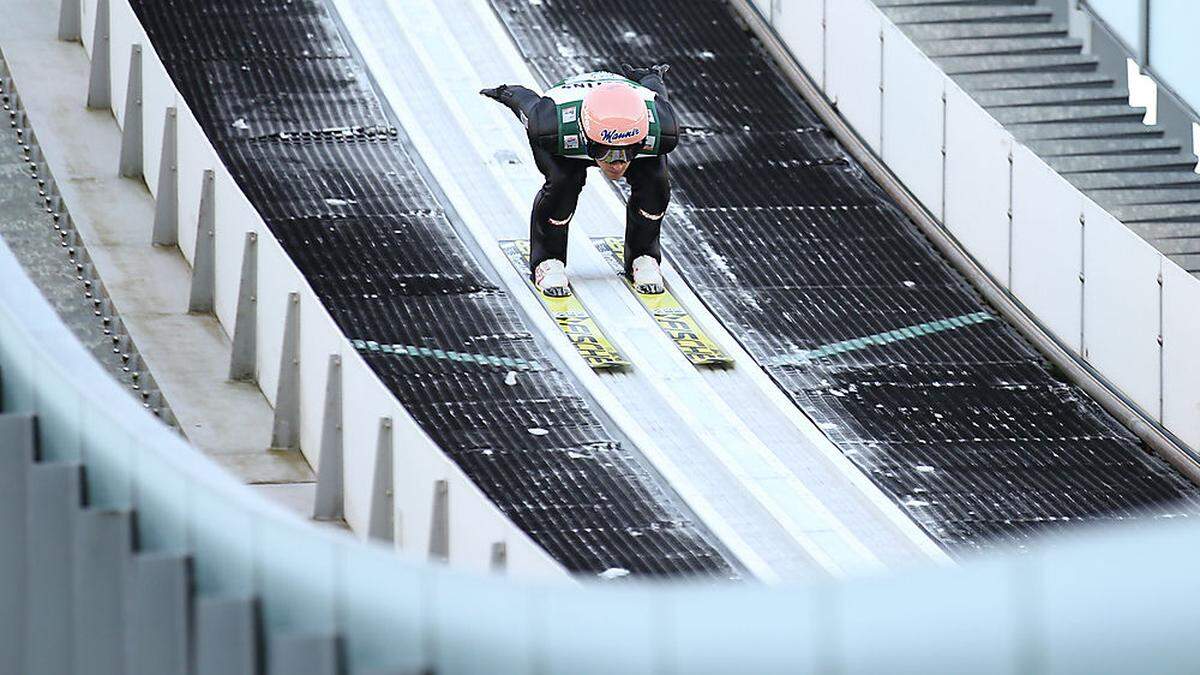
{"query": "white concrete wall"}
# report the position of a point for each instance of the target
(418, 463)
(1104, 293)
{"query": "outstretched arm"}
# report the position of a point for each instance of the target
(651, 78)
(520, 100)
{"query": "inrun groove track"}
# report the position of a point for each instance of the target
(794, 247)
(315, 154)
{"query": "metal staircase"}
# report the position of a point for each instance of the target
(1018, 61)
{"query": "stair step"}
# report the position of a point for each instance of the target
(966, 65)
(1153, 232)
(1157, 213)
(924, 3)
(1129, 162)
(1133, 179)
(1190, 263)
(921, 32)
(976, 82)
(1047, 114)
(1024, 45)
(1120, 197)
(1003, 98)
(1041, 131)
(1171, 246)
(1095, 147)
(968, 13)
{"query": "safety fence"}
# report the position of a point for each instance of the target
(209, 577)
(125, 550)
(1105, 294)
(375, 465)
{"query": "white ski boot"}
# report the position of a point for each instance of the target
(550, 276)
(647, 277)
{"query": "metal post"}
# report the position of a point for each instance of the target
(305, 653)
(285, 434)
(131, 131)
(54, 491)
(244, 358)
(166, 209)
(203, 263)
(227, 633)
(439, 527)
(99, 94)
(16, 459)
(379, 524)
(1144, 33)
(105, 542)
(157, 629)
(69, 19)
(330, 486)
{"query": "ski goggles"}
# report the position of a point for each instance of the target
(612, 153)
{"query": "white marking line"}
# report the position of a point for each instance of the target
(543, 322)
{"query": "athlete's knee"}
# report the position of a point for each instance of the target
(561, 222)
(652, 203)
(650, 215)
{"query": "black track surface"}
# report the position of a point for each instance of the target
(317, 157)
(795, 248)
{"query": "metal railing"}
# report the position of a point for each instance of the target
(226, 573)
(1160, 35)
(220, 576)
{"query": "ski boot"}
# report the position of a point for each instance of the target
(647, 277)
(550, 276)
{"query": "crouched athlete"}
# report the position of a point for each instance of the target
(624, 125)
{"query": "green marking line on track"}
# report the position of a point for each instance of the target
(447, 355)
(905, 333)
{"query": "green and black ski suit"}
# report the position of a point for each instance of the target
(558, 145)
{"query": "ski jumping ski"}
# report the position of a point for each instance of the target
(570, 314)
(668, 313)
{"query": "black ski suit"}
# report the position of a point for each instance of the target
(554, 205)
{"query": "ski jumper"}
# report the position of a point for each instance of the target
(558, 144)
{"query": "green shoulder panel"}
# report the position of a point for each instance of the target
(654, 135)
(570, 130)
(570, 133)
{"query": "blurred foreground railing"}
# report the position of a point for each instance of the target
(123, 549)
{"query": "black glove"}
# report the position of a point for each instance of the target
(636, 74)
(500, 93)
